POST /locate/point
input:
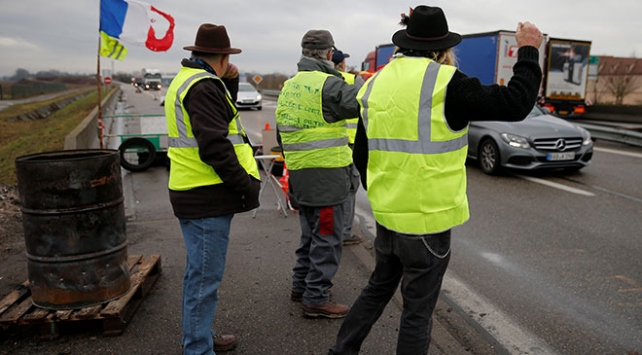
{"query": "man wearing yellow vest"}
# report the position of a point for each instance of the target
(213, 175)
(339, 60)
(411, 149)
(310, 116)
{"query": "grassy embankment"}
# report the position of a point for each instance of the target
(19, 137)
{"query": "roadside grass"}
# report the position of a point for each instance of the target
(19, 137)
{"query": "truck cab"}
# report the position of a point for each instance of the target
(152, 79)
(376, 60)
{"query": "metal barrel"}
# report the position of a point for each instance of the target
(73, 218)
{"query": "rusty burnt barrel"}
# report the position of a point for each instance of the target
(74, 227)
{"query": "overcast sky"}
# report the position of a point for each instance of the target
(63, 34)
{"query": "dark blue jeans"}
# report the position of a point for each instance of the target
(206, 242)
(419, 262)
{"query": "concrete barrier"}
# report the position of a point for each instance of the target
(85, 135)
(271, 93)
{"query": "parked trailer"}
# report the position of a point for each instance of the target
(147, 146)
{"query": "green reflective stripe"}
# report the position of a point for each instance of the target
(290, 128)
(326, 143)
(184, 139)
(423, 144)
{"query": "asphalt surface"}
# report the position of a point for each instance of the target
(254, 296)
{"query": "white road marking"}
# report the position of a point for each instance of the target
(556, 185)
(506, 331)
(619, 152)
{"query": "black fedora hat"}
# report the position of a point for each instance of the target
(212, 39)
(427, 29)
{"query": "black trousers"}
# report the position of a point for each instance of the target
(419, 262)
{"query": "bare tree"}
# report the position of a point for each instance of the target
(621, 85)
(619, 77)
(597, 92)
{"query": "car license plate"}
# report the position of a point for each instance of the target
(560, 156)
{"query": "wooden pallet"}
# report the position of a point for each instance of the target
(17, 308)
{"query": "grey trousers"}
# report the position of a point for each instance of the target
(319, 252)
(348, 217)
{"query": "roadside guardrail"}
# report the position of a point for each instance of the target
(613, 134)
(271, 93)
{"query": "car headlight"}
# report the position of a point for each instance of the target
(515, 141)
(258, 97)
(586, 137)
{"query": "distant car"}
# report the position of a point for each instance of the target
(153, 85)
(248, 97)
(541, 141)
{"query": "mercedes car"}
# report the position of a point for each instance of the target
(541, 141)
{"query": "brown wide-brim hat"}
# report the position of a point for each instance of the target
(427, 30)
(212, 39)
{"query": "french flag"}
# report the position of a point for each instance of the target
(133, 21)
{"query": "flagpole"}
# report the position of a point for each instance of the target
(100, 109)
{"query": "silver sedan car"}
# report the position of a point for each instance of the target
(248, 97)
(541, 141)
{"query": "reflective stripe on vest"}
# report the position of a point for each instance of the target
(416, 173)
(351, 123)
(308, 140)
(184, 140)
(423, 144)
(187, 169)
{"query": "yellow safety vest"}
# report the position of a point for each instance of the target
(308, 140)
(188, 171)
(416, 166)
(351, 123)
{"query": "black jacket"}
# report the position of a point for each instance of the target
(468, 100)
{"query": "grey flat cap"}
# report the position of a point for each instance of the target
(317, 39)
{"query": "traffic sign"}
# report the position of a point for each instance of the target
(257, 79)
(107, 80)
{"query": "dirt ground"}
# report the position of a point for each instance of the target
(13, 262)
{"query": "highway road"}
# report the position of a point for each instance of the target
(549, 263)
